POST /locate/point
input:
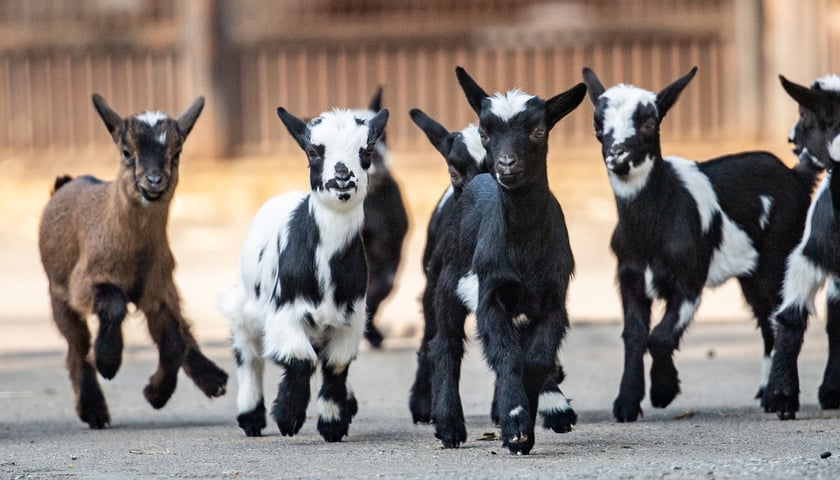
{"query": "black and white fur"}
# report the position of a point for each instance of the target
(506, 257)
(683, 226)
(816, 257)
(465, 158)
(386, 223)
(300, 298)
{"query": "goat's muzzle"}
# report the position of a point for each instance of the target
(152, 186)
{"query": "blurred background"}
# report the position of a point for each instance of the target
(249, 56)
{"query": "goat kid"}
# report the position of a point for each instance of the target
(300, 298)
(816, 257)
(505, 256)
(386, 223)
(465, 158)
(683, 226)
(104, 245)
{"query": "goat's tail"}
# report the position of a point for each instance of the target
(806, 173)
(60, 182)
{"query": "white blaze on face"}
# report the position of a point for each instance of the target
(622, 102)
(507, 105)
(472, 140)
(829, 82)
(151, 118)
(344, 135)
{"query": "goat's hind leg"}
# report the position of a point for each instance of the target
(206, 375)
(420, 397)
(762, 293)
(166, 328)
(663, 340)
(554, 408)
(446, 350)
(90, 402)
(829, 392)
(110, 303)
(250, 403)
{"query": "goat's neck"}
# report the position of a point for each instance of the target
(524, 207)
(337, 227)
(143, 220)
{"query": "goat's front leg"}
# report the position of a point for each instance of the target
(555, 409)
(336, 403)
(829, 392)
(446, 350)
(627, 406)
(287, 343)
(166, 328)
(110, 304)
(90, 403)
(247, 348)
(662, 341)
(802, 280)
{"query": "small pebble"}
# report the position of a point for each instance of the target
(825, 455)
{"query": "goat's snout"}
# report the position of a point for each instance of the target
(342, 173)
(154, 178)
(507, 160)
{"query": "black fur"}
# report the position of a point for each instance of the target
(659, 242)
(254, 421)
(511, 234)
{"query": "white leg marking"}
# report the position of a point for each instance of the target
(802, 280)
(553, 402)
(650, 288)
(517, 411)
(765, 370)
(328, 410)
(468, 291)
(687, 310)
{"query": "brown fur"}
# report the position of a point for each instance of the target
(104, 244)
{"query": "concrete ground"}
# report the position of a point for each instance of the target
(713, 430)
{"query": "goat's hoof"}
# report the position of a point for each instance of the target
(451, 434)
(829, 397)
(662, 395)
(517, 431)
(158, 395)
(213, 383)
(624, 411)
(559, 421)
(254, 421)
(784, 405)
(287, 421)
(108, 356)
(421, 408)
(374, 337)
(352, 409)
(95, 414)
(760, 394)
(333, 431)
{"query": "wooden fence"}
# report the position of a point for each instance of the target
(249, 56)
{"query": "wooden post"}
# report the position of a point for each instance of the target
(210, 68)
(745, 83)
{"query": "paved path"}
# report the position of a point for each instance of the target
(713, 430)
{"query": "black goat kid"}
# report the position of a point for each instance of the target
(506, 257)
(683, 226)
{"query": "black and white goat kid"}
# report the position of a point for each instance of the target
(386, 223)
(465, 157)
(683, 226)
(816, 257)
(505, 256)
(300, 298)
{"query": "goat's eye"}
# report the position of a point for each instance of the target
(649, 127)
(311, 152)
(126, 155)
(455, 177)
(538, 132)
(482, 134)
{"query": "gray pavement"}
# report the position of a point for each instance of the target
(714, 429)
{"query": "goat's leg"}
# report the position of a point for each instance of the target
(206, 375)
(90, 402)
(110, 304)
(627, 406)
(554, 408)
(802, 280)
(829, 392)
(420, 396)
(380, 286)
(446, 350)
(336, 405)
(663, 340)
(288, 345)
(165, 327)
(250, 403)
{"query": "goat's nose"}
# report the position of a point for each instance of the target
(617, 150)
(507, 159)
(342, 173)
(154, 178)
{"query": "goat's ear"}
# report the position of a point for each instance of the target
(111, 118)
(187, 118)
(297, 127)
(376, 101)
(562, 104)
(666, 98)
(595, 87)
(475, 94)
(376, 125)
(435, 132)
(813, 100)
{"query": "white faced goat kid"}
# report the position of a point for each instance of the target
(816, 257)
(683, 226)
(300, 298)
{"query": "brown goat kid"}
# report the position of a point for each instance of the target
(104, 245)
